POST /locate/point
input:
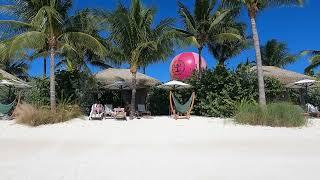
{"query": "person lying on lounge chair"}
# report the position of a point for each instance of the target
(312, 110)
(97, 111)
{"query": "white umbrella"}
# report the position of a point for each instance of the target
(303, 84)
(6, 83)
(175, 85)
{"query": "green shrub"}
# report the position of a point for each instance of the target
(39, 93)
(78, 87)
(219, 91)
(29, 115)
(158, 101)
(281, 114)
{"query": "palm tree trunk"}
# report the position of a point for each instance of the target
(221, 63)
(262, 94)
(44, 67)
(200, 62)
(133, 94)
(52, 81)
(144, 69)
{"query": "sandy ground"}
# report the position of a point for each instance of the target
(158, 148)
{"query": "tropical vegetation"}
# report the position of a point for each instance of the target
(314, 60)
(132, 35)
(253, 7)
(135, 39)
(207, 24)
(275, 53)
(44, 26)
(274, 115)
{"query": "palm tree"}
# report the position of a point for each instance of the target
(136, 41)
(24, 11)
(314, 60)
(79, 59)
(223, 51)
(253, 7)
(275, 53)
(48, 28)
(203, 25)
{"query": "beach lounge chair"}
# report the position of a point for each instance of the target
(119, 113)
(179, 110)
(142, 111)
(312, 110)
(96, 112)
(108, 110)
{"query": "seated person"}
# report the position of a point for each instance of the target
(96, 109)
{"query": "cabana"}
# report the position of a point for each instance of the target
(120, 80)
(8, 81)
(286, 77)
(289, 79)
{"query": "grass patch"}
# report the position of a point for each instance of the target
(275, 115)
(29, 115)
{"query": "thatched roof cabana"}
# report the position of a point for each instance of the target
(111, 76)
(286, 77)
(7, 79)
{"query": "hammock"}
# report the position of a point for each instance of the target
(182, 108)
(6, 108)
(179, 108)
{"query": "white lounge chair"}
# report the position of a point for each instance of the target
(312, 110)
(94, 115)
(108, 110)
(142, 111)
(119, 113)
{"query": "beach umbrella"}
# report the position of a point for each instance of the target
(304, 84)
(119, 84)
(6, 83)
(173, 85)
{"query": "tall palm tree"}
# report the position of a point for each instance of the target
(47, 28)
(202, 26)
(135, 39)
(223, 51)
(253, 7)
(314, 60)
(24, 11)
(275, 53)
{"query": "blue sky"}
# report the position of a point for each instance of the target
(298, 27)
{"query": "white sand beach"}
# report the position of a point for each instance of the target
(158, 148)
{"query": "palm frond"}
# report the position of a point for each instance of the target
(29, 40)
(187, 18)
(86, 41)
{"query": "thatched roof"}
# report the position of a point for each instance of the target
(110, 78)
(286, 77)
(9, 79)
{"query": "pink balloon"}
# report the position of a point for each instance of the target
(184, 64)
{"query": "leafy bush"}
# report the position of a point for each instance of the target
(220, 90)
(314, 96)
(158, 101)
(39, 93)
(29, 115)
(76, 87)
(275, 114)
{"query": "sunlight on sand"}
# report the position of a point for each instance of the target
(158, 148)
